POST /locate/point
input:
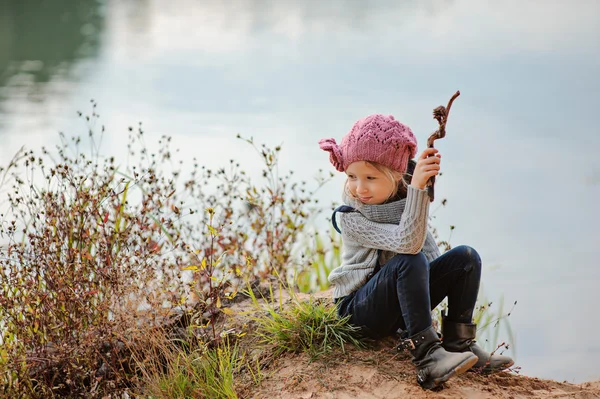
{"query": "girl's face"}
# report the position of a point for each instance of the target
(368, 184)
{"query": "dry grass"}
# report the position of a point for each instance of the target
(97, 249)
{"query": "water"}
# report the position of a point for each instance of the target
(521, 173)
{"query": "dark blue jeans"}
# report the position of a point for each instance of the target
(406, 289)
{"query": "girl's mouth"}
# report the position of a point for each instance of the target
(364, 199)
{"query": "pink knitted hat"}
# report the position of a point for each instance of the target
(376, 138)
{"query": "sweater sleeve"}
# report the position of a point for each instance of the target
(430, 248)
(406, 237)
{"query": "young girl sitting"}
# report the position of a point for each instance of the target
(392, 274)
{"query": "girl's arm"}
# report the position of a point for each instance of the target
(406, 237)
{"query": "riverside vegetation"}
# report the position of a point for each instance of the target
(117, 277)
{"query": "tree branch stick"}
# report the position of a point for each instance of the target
(441, 115)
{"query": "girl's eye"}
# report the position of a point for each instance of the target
(351, 177)
(371, 178)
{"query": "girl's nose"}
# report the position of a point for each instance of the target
(361, 189)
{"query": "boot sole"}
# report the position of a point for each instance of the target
(460, 369)
(489, 370)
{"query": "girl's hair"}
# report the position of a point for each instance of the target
(400, 184)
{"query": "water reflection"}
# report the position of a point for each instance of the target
(41, 42)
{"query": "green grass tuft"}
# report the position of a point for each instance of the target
(312, 326)
(199, 374)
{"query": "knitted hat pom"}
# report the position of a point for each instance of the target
(335, 155)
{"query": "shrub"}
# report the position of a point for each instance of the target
(95, 250)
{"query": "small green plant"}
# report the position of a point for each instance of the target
(327, 256)
(489, 322)
(312, 326)
(195, 371)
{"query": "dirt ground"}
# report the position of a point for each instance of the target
(380, 372)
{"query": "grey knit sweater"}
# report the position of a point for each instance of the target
(395, 227)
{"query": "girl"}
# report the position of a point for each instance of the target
(392, 274)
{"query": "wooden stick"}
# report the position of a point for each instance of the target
(441, 115)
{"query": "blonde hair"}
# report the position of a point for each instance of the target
(399, 180)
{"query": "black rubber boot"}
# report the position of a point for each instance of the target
(460, 337)
(434, 364)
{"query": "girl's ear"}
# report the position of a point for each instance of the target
(397, 176)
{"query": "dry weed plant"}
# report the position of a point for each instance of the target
(94, 253)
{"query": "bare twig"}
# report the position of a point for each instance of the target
(441, 115)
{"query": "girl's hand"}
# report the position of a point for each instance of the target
(428, 165)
